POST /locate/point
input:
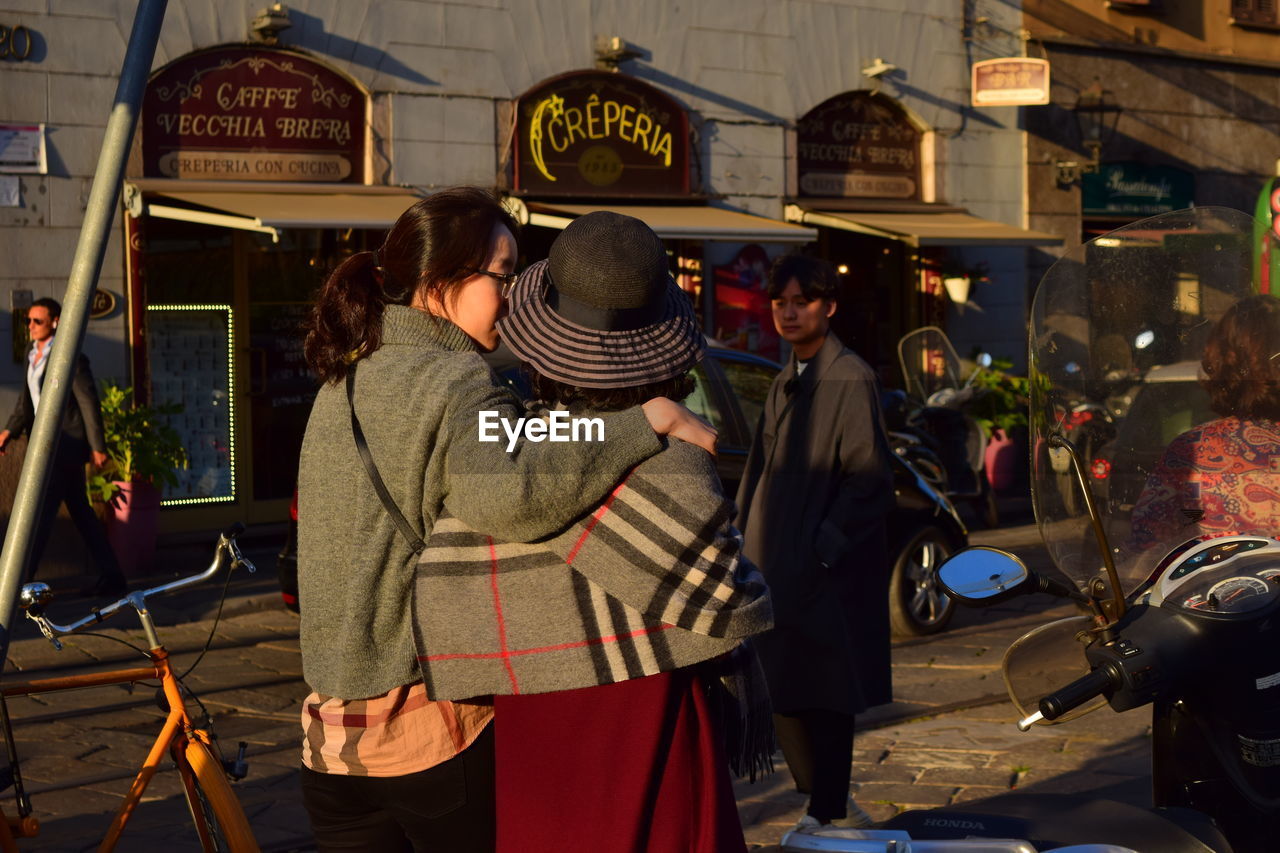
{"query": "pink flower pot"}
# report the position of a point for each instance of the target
(1001, 461)
(133, 522)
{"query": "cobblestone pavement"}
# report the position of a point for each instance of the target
(948, 738)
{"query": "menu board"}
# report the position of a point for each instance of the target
(190, 361)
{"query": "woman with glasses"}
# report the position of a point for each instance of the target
(391, 443)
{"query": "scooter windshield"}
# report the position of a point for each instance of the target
(929, 362)
(1119, 329)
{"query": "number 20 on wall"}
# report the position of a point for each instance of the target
(15, 42)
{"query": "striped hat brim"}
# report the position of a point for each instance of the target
(592, 358)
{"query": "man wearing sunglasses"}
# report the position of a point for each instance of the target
(80, 441)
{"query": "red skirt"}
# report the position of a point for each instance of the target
(633, 767)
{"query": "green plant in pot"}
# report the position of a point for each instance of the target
(1001, 410)
(144, 453)
(1002, 405)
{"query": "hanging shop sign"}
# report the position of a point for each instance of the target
(253, 114)
(22, 149)
(858, 144)
(597, 133)
(1010, 82)
(1135, 190)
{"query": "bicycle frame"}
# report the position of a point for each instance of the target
(174, 737)
(188, 745)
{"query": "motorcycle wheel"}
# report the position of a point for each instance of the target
(917, 604)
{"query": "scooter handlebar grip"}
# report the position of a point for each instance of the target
(1078, 692)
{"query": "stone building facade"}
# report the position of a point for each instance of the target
(444, 83)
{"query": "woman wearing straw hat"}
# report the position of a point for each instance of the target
(605, 736)
(390, 443)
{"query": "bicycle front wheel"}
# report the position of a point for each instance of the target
(216, 810)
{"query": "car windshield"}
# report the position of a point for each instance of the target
(1137, 302)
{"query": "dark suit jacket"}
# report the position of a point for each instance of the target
(81, 422)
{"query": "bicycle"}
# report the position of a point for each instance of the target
(219, 819)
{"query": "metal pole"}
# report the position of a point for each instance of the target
(85, 268)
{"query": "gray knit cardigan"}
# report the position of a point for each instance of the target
(418, 399)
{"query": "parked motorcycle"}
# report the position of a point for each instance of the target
(1172, 616)
(935, 413)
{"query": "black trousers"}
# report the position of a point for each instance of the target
(818, 746)
(66, 486)
(448, 808)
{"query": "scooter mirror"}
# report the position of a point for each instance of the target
(981, 576)
(984, 359)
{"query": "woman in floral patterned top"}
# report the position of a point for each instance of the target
(1223, 477)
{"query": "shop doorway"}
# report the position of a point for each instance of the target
(875, 304)
(222, 335)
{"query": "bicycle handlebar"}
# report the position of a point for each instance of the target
(226, 553)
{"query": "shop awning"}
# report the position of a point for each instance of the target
(924, 228)
(269, 212)
(696, 222)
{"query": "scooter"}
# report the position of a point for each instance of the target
(1172, 616)
(936, 411)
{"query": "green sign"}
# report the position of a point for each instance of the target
(1135, 189)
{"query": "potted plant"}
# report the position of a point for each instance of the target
(958, 279)
(144, 453)
(1002, 411)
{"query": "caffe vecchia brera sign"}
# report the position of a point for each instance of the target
(253, 114)
(858, 144)
(597, 133)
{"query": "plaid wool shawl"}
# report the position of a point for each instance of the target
(652, 581)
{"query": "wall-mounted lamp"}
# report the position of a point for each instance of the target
(1096, 114)
(267, 25)
(612, 51)
(878, 68)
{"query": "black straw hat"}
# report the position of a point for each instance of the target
(602, 311)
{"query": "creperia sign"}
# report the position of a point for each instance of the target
(600, 133)
(253, 114)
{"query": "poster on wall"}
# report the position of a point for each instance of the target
(744, 320)
(22, 149)
(190, 358)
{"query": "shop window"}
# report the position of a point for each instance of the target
(1255, 13)
(743, 318)
(188, 263)
(686, 260)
